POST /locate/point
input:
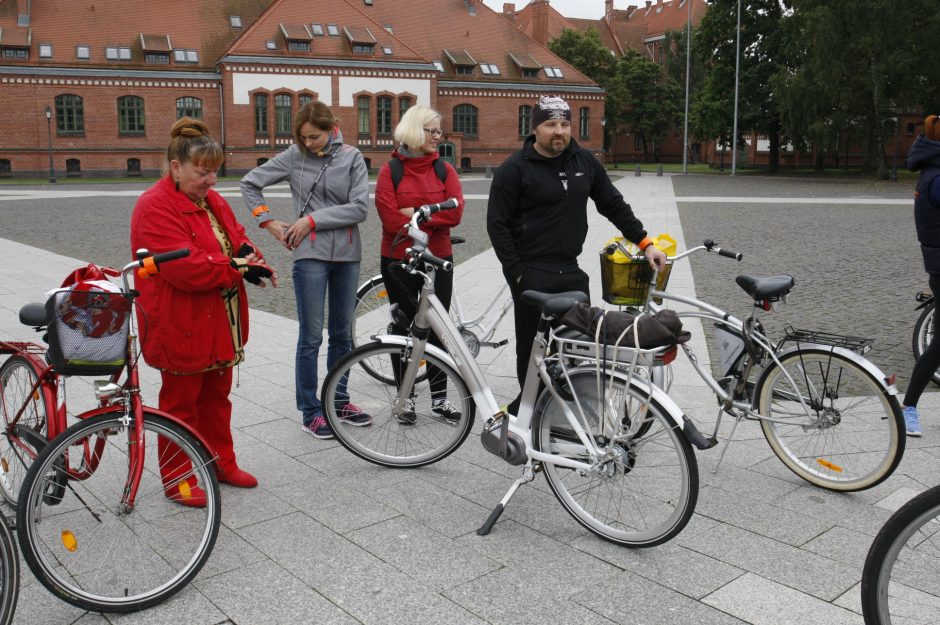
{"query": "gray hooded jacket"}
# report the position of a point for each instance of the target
(337, 205)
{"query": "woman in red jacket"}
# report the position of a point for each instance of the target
(193, 316)
(418, 134)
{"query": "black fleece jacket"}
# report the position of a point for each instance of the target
(534, 221)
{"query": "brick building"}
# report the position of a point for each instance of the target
(102, 81)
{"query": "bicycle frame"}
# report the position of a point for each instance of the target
(478, 322)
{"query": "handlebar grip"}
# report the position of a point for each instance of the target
(440, 263)
(149, 265)
(168, 256)
(729, 254)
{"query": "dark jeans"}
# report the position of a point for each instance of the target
(403, 289)
(928, 362)
(527, 316)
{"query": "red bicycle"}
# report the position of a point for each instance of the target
(120, 510)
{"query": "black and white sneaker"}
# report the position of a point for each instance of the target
(408, 415)
(446, 410)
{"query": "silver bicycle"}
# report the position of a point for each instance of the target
(615, 449)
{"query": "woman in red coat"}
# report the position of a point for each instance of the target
(418, 134)
(193, 315)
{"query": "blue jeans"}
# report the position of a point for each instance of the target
(312, 278)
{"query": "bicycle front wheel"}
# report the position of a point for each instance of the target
(22, 438)
(901, 577)
(9, 573)
(87, 545)
(372, 317)
(830, 421)
(425, 433)
(645, 490)
(923, 335)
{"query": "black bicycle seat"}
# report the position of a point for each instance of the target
(33, 315)
(554, 303)
(765, 288)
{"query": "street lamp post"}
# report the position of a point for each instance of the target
(604, 141)
(49, 132)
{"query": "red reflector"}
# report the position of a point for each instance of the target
(890, 379)
(765, 304)
(669, 355)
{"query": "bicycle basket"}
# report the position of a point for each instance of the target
(625, 280)
(88, 329)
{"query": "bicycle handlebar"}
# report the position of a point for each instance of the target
(148, 264)
(423, 213)
(711, 246)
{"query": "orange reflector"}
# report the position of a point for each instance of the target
(381, 294)
(36, 395)
(5, 465)
(185, 490)
(69, 540)
(829, 465)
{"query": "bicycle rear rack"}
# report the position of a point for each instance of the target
(855, 343)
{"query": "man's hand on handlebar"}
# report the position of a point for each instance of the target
(655, 256)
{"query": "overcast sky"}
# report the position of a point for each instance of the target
(593, 9)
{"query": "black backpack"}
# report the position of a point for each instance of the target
(398, 170)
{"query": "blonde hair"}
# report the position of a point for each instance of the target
(410, 130)
(318, 115)
(190, 141)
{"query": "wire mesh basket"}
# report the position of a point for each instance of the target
(87, 332)
(626, 281)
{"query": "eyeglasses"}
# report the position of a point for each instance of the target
(434, 132)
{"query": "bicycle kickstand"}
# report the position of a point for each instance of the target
(528, 474)
(727, 444)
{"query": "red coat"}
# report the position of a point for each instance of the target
(182, 320)
(419, 185)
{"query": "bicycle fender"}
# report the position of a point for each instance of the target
(188, 428)
(398, 339)
(848, 354)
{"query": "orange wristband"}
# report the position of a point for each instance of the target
(259, 210)
(645, 243)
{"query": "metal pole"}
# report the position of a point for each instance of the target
(49, 132)
(737, 69)
(688, 62)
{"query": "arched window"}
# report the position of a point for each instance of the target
(261, 114)
(130, 115)
(383, 115)
(73, 167)
(188, 107)
(465, 119)
(584, 123)
(525, 120)
(362, 107)
(403, 105)
(304, 98)
(69, 114)
(283, 114)
(133, 167)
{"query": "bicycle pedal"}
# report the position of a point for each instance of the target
(494, 343)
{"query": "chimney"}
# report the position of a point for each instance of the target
(608, 8)
(648, 3)
(509, 9)
(540, 21)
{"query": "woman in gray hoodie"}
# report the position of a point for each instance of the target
(329, 184)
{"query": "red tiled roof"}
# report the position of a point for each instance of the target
(359, 34)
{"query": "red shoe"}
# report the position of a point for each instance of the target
(238, 478)
(186, 494)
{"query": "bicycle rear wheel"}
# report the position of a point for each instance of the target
(901, 577)
(852, 435)
(397, 440)
(9, 573)
(19, 444)
(645, 492)
(86, 546)
(923, 335)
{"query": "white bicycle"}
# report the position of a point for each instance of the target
(374, 314)
(614, 448)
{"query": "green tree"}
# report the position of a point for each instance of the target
(761, 59)
(651, 101)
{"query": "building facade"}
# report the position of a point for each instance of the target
(96, 86)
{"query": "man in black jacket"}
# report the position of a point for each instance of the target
(537, 217)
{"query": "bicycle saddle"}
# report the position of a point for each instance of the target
(554, 303)
(33, 315)
(765, 288)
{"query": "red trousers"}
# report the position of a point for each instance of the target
(201, 400)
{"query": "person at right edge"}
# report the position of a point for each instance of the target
(537, 218)
(925, 157)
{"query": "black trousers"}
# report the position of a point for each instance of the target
(527, 316)
(928, 362)
(403, 289)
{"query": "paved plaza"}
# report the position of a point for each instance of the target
(328, 538)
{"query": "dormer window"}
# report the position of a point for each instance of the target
(297, 37)
(14, 44)
(360, 39)
(156, 48)
(528, 66)
(462, 61)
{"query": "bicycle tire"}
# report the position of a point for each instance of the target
(17, 376)
(652, 466)
(153, 550)
(852, 439)
(899, 579)
(387, 441)
(923, 335)
(9, 573)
